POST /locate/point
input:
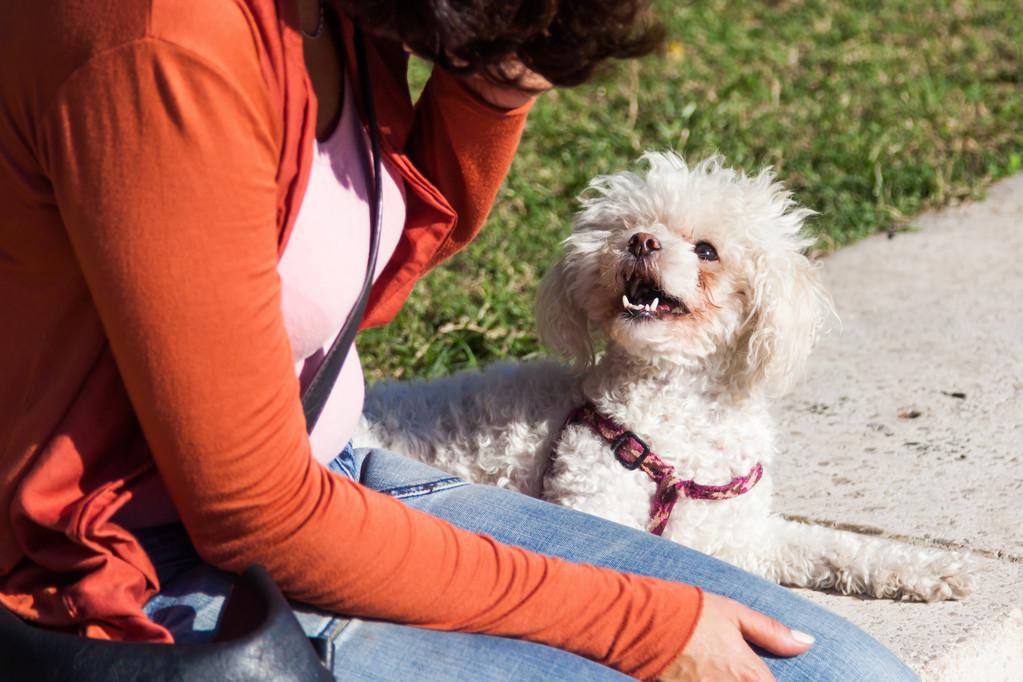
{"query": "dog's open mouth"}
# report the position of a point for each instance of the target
(644, 299)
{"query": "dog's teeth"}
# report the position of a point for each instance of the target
(653, 306)
(629, 305)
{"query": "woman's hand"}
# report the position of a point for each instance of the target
(528, 85)
(718, 649)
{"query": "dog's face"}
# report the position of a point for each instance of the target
(700, 267)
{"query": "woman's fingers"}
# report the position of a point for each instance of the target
(507, 95)
(719, 647)
(770, 635)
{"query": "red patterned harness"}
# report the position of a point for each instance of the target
(633, 453)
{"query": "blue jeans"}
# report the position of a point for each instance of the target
(193, 593)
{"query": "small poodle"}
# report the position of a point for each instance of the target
(693, 282)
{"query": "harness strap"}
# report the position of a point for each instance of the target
(632, 452)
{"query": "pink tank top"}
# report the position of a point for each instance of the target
(321, 272)
(324, 263)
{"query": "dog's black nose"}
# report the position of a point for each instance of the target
(643, 244)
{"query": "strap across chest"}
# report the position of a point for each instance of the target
(633, 453)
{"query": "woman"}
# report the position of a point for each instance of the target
(184, 215)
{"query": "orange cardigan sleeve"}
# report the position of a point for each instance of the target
(162, 163)
(465, 147)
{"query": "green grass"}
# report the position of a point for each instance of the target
(870, 111)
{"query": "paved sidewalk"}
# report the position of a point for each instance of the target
(910, 425)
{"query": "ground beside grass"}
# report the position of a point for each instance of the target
(869, 111)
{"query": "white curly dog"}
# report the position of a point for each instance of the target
(694, 283)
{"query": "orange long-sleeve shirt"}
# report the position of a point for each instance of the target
(150, 166)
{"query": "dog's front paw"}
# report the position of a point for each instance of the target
(937, 576)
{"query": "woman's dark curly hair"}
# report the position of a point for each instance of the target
(562, 40)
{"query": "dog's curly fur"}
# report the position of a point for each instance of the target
(693, 374)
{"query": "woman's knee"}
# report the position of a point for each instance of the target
(842, 652)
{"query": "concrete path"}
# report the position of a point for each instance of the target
(910, 425)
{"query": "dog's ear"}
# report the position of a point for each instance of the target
(563, 325)
(786, 307)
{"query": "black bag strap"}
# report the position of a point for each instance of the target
(315, 395)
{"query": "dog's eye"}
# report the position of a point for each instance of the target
(704, 251)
